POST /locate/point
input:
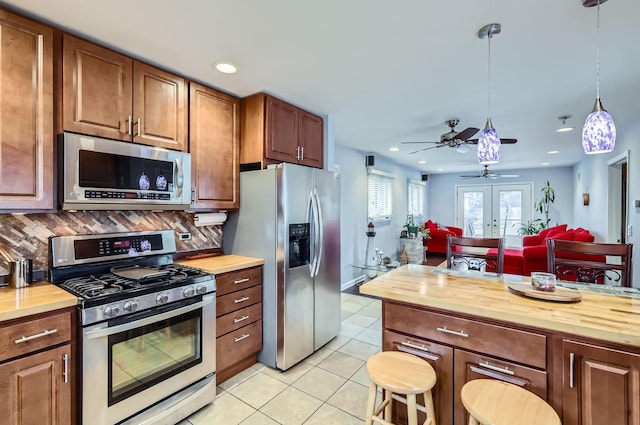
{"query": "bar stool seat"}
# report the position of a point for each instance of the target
(493, 402)
(401, 374)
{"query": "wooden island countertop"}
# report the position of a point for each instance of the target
(609, 318)
(33, 299)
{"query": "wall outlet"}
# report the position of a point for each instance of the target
(184, 236)
(629, 230)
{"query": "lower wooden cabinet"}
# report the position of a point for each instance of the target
(600, 385)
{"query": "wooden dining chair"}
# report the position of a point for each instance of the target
(587, 262)
(472, 254)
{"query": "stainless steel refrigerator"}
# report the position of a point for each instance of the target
(290, 216)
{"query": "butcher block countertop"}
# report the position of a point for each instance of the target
(223, 263)
(604, 317)
(36, 298)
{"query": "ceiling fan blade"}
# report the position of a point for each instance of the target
(466, 133)
(471, 177)
(426, 149)
(409, 143)
(508, 175)
(502, 140)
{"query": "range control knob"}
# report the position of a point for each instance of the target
(201, 289)
(162, 298)
(111, 311)
(130, 306)
(188, 292)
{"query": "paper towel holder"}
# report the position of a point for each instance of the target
(210, 219)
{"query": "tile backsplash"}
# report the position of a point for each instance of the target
(27, 235)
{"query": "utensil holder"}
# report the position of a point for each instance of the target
(21, 273)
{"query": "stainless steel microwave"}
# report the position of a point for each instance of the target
(103, 174)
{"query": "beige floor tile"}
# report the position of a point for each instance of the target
(290, 375)
(258, 418)
(258, 389)
(226, 409)
(341, 364)
(185, 422)
(319, 355)
(351, 306)
(291, 407)
(373, 337)
(359, 349)
(242, 376)
(351, 398)
(350, 330)
(344, 297)
(337, 342)
(358, 319)
(361, 376)
(377, 325)
(329, 415)
(376, 303)
(371, 311)
(319, 383)
(359, 299)
(345, 314)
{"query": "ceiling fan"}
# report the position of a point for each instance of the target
(488, 174)
(456, 140)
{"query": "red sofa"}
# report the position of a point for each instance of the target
(438, 234)
(533, 255)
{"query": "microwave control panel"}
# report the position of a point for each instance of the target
(97, 194)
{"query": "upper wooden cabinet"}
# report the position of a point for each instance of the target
(275, 131)
(26, 114)
(214, 147)
(110, 95)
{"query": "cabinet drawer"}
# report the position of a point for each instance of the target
(512, 344)
(237, 300)
(238, 344)
(237, 280)
(237, 319)
(29, 336)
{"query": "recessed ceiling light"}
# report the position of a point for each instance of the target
(553, 152)
(226, 67)
(440, 169)
(422, 161)
(394, 149)
(564, 128)
(546, 163)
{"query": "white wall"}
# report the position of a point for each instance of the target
(353, 208)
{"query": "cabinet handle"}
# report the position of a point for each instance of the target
(240, 319)
(490, 374)
(65, 373)
(416, 346)
(301, 153)
(298, 153)
(572, 359)
(240, 338)
(40, 335)
(239, 300)
(423, 351)
(129, 124)
(497, 368)
(449, 331)
(236, 282)
(138, 126)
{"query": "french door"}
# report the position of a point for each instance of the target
(491, 211)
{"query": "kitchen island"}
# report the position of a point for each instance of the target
(583, 357)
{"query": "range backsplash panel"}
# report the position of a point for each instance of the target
(27, 235)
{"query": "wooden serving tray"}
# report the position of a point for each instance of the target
(559, 295)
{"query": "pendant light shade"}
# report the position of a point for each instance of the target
(599, 131)
(489, 145)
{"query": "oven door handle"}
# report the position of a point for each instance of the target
(99, 333)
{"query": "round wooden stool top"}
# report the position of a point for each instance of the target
(498, 403)
(401, 373)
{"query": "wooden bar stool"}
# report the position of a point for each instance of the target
(493, 402)
(404, 375)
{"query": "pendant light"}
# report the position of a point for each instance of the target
(489, 142)
(599, 131)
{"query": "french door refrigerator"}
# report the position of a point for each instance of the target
(290, 216)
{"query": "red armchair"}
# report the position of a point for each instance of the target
(438, 234)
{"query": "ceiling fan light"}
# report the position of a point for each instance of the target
(599, 131)
(462, 148)
(489, 145)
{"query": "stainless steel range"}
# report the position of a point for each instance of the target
(147, 327)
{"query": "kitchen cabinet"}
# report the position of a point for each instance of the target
(238, 321)
(26, 114)
(107, 94)
(600, 385)
(36, 370)
(214, 144)
(275, 131)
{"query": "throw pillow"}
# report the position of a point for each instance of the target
(544, 233)
(569, 235)
(441, 226)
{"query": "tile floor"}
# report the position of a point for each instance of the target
(329, 387)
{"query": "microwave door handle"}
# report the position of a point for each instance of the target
(319, 232)
(178, 177)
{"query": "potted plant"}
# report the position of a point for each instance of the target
(412, 229)
(542, 206)
(530, 227)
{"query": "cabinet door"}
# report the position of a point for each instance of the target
(600, 385)
(26, 114)
(35, 389)
(281, 132)
(440, 357)
(469, 366)
(215, 148)
(159, 108)
(96, 90)
(310, 139)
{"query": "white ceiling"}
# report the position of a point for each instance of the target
(389, 72)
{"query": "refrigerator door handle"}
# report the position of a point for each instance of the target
(313, 220)
(319, 233)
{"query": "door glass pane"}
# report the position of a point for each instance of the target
(473, 213)
(510, 217)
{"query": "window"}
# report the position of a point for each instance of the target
(380, 195)
(415, 196)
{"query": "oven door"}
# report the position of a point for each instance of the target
(132, 363)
